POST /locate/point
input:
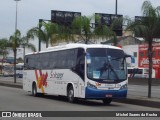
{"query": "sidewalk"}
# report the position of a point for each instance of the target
(131, 98)
(9, 82)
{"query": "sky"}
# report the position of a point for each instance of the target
(30, 11)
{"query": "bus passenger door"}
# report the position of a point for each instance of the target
(81, 88)
(81, 72)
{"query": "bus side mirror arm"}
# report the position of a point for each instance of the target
(132, 57)
(126, 56)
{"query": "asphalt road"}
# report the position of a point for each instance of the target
(14, 99)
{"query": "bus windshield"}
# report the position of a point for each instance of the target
(106, 64)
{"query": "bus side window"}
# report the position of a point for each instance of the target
(80, 64)
(44, 61)
(26, 63)
(71, 58)
(53, 60)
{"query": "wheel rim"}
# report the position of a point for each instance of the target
(70, 95)
(34, 91)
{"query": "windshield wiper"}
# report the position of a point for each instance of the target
(116, 58)
(111, 68)
(107, 66)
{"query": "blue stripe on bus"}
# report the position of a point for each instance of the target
(92, 93)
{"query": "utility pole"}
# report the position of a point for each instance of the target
(15, 49)
(40, 25)
(116, 8)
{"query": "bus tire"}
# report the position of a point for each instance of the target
(70, 94)
(34, 90)
(107, 101)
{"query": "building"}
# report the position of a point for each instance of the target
(139, 50)
(124, 40)
(143, 57)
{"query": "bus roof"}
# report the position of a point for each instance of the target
(75, 45)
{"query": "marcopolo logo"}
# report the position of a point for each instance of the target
(56, 75)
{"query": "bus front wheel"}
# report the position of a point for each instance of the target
(34, 90)
(107, 101)
(70, 94)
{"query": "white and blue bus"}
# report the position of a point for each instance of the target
(77, 71)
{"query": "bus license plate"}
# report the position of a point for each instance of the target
(109, 96)
(110, 85)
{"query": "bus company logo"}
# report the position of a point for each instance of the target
(41, 79)
(56, 75)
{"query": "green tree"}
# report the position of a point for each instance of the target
(64, 34)
(82, 29)
(87, 31)
(148, 27)
(15, 41)
(3, 49)
(47, 34)
(25, 43)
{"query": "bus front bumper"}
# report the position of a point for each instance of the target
(92, 93)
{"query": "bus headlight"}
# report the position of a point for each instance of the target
(91, 85)
(123, 87)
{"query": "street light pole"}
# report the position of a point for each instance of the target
(116, 7)
(15, 49)
(16, 14)
(40, 25)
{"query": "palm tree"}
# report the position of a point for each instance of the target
(83, 27)
(15, 41)
(25, 44)
(149, 28)
(109, 31)
(3, 49)
(64, 34)
(47, 33)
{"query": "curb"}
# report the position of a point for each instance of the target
(140, 102)
(133, 101)
(11, 85)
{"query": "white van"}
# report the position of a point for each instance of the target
(137, 72)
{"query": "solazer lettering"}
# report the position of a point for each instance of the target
(56, 75)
